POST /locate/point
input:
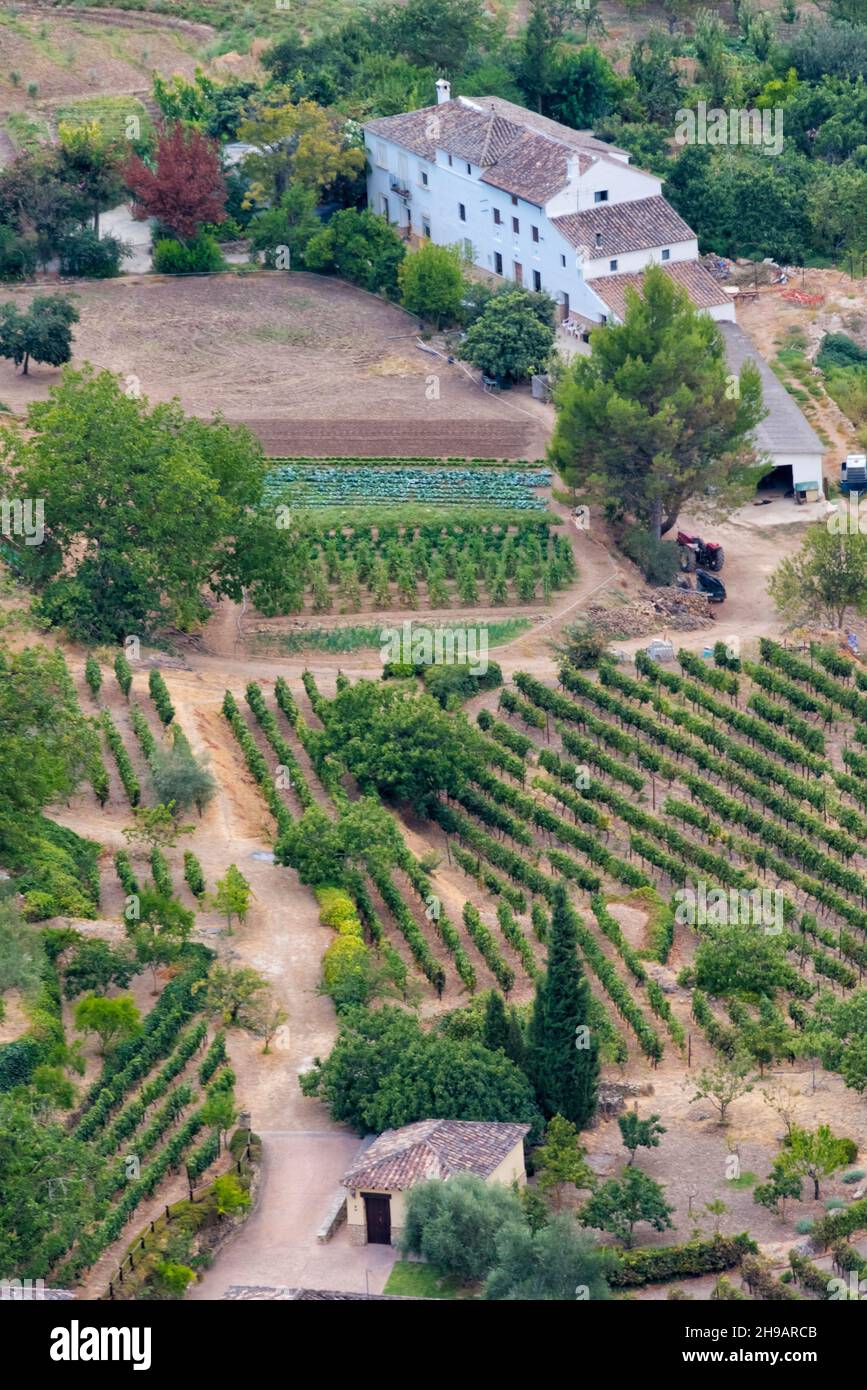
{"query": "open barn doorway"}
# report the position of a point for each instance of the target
(778, 482)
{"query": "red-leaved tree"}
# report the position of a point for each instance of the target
(185, 188)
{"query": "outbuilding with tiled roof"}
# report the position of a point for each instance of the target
(430, 1149)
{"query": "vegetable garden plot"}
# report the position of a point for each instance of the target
(311, 486)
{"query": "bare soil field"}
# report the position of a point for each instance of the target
(315, 364)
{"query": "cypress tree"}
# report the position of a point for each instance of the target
(495, 1031)
(565, 1075)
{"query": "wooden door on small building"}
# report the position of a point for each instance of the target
(377, 1211)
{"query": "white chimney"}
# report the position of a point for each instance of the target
(444, 91)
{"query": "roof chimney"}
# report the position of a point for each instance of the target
(444, 91)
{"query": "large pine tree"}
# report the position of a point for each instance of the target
(565, 1073)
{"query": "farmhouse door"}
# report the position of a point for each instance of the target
(377, 1210)
(519, 273)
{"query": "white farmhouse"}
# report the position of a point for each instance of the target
(555, 209)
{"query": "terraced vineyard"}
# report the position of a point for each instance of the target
(633, 788)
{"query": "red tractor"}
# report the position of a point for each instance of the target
(698, 554)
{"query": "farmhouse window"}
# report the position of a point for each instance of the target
(425, 227)
(537, 281)
(462, 212)
(497, 218)
(424, 178)
(516, 226)
(562, 259)
(514, 201)
(612, 265)
(666, 255)
(498, 263)
(601, 195)
(381, 155)
(535, 233)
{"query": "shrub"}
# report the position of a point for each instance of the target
(658, 1264)
(123, 671)
(160, 695)
(198, 257)
(193, 874)
(657, 559)
(86, 255)
(93, 675)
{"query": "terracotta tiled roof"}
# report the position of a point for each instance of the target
(702, 288)
(400, 1158)
(520, 152)
(534, 168)
(635, 226)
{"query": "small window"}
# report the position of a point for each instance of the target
(425, 227)
(598, 238)
(424, 178)
(462, 212)
(497, 218)
(535, 233)
(516, 226)
(562, 259)
(498, 263)
(469, 168)
(612, 265)
(666, 255)
(468, 249)
(537, 280)
(450, 161)
(514, 201)
(381, 155)
(601, 195)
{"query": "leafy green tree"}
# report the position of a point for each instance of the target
(48, 1181)
(140, 506)
(232, 898)
(297, 143)
(89, 160)
(229, 1195)
(431, 33)
(815, 1154)
(292, 223)
(219, 1111)
(265, 1018)
(560, 1160)
(112, 1020)
(509, 341)
(322, 850)
(155, 827)
(620, 1204)
(536, 54)
(781, 1186)
(653, 419)
(93, 965)
(42, 331)
(431, 281)
(360, 246)
(179, 778)
(739, 958)
(454, 1225)
(556, 1262)
(159, 930)
(724, 1082)
(564, 1050)
(637, 1133)
(233, 995)
(386, 1071)
(827, 578)
(651, 63)
(22, 954)
(583, 87)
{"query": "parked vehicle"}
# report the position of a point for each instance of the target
(853, 473)
(711, 586)
(695, 552)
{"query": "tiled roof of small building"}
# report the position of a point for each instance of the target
(784, 430)
(622, 227)
(400, 1158)
(704, 291)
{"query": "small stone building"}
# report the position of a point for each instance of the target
(400, 1158)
